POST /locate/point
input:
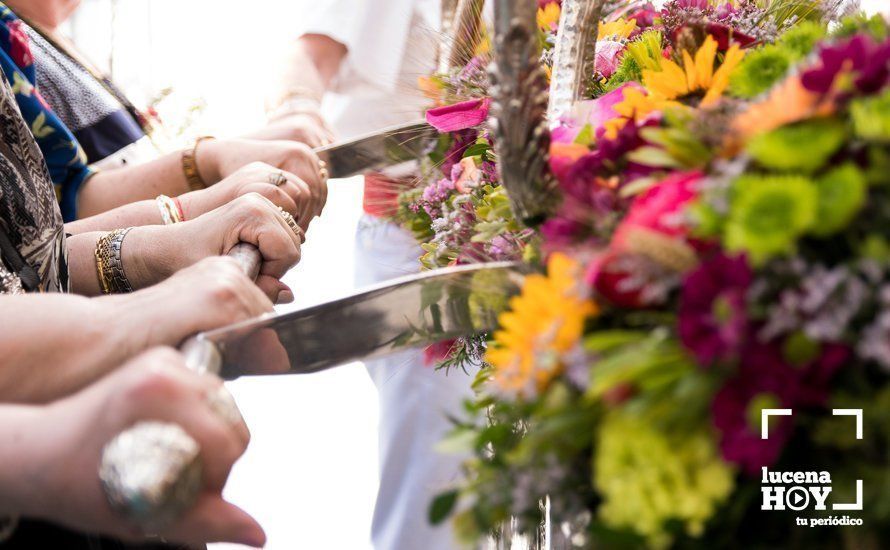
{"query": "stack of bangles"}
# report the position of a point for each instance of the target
(171, 209)
(109, 266)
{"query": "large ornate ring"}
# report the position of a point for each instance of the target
(277, 179)
(151, 474)
(223, 405)
(292, 223)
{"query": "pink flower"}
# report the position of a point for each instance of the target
(20, 49)
(607, 57)
(595, 112)
(459, 116)
(661, 208)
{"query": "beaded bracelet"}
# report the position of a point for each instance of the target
(190, 166)
(109, 266)
(171, 209)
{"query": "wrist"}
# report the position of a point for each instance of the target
(149, 254)
(207, 154)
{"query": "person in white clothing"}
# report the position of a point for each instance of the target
(362, 58)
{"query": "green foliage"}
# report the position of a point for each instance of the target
(676, 147)
(628, 71)
(803, 147)
(442, 507)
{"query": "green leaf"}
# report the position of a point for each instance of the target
(442, 507)
(654, 156)
(477, 149)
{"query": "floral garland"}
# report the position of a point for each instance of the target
(722, 247)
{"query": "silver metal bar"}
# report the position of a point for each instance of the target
(413, 311)
(377, 150)
(519, 108)
(574, 60)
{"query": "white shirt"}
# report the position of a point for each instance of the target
(390, 43)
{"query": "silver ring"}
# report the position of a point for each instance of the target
(223, 404)
(151, 474)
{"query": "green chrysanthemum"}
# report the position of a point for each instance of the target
(759, 71)
(804, 147)
(627, 71)
(649, 480)
(842, 193)
(871, 117)
(768, 214)
(801, 40)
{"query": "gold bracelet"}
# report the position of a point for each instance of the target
(169, 210)
(190, 166)
(109, 266)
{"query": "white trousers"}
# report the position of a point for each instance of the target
(415, 403)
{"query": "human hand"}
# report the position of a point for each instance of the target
(282, 188)
(155, 386)
(153, 253)
(222, 158)
(305, 125)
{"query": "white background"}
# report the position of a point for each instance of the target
(309, 475)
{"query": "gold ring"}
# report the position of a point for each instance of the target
(292, 223)
(323, 173)
(277, 179)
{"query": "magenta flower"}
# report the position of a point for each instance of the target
(459, 116)
(866, 62)
(764, 381)
(661, 207)
(712, 320)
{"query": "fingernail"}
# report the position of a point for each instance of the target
(285, 297)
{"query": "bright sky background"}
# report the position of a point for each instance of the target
(309, 475)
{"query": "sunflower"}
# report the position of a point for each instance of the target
(636, 106)
(544, 322)
(696, 75)
(617, 30)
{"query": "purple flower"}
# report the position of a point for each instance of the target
(767, 380)
(461, 141)
(434, 195)
(712, 317)
(764, 381)
(867, 62)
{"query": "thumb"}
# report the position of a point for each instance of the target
(212, 519)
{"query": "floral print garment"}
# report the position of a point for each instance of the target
(66, 161)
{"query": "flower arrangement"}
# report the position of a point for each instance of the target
(721, 247)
